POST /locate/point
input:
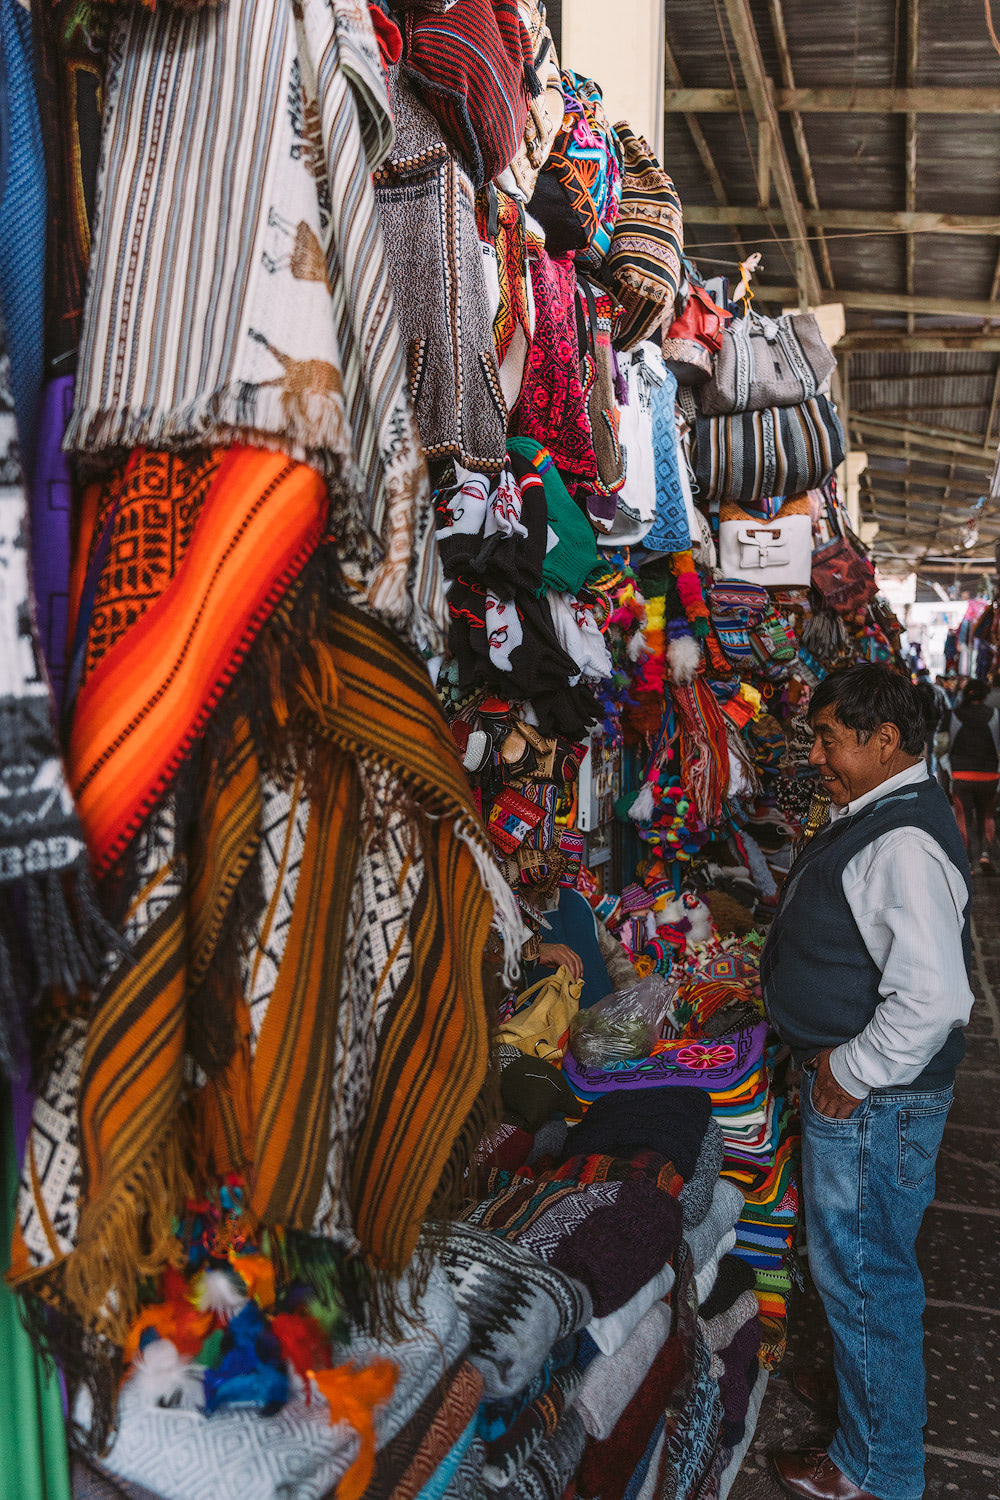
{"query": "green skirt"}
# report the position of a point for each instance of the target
(33, 1459)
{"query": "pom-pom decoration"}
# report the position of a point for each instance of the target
(161, 1376)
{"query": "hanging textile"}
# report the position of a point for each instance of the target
(385, 860)
(282, 332)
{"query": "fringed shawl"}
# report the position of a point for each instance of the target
(329, 1043)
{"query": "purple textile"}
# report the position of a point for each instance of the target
(51, 496)
(693, 1064)
(618, 1249)
(739, 1362)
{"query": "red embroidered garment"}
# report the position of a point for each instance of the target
(552, 406)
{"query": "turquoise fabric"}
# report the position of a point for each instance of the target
(574, 924)
(446, 1470)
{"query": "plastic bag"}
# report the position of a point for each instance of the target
(625, 1025)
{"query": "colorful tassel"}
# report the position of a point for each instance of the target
(352, 1395)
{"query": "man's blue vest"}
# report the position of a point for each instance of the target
(820, 982)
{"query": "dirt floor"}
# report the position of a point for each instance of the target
(960, 1255)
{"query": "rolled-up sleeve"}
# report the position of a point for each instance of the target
(909, 902)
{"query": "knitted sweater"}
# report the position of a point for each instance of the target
(427, 208)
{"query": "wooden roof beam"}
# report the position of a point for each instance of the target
(777, 15)
(672, 72)
(926, 100)
(910, 147)
(886, 302)
(941, 460)
(925, 434)
(912, 483)
(876, 341)
(970, 484)
(761, 92)
(876, 220)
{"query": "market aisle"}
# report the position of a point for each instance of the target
(961, 1270)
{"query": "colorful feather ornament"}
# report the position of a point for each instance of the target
(161, 1376)
(352, 1395)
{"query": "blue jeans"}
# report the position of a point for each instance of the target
(866, 1183)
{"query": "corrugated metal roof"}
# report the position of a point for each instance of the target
(858, 162)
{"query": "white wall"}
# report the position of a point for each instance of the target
(619, 43)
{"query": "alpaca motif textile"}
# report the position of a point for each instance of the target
(106, 1169)
(43, 856)
(283, 329)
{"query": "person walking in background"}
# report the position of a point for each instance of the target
(866, 978)
(931, 706)
(970, 736)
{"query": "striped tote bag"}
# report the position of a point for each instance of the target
(781, 450)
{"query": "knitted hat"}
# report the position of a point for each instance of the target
(586, 162)
(473, 69)
(571, 553)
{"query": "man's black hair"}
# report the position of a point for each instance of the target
(975, 691)
(866, 696)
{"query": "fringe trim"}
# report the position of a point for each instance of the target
(363, 1296)
(85, 1359)
(507, 913)
(127, 1233)
(58, 940)
(318, 437)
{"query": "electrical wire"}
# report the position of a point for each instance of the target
(989, 25)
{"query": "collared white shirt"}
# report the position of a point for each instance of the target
(909, 902)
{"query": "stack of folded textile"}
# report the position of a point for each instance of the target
(580, 1272)
(767, 1229)
(730, 1069)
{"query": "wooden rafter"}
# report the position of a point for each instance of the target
(878, 341)
(912, 49)
(925, 434)
(988, 433)
(921, 482)
(761, 94)
(673, 75)
(777, 15)
(877, 220)
(840, 101)
(942, 306)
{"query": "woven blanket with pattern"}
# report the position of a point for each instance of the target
(327, 1044)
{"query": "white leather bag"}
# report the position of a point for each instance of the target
(777, 553)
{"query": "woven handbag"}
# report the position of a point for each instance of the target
(643, 265)
(843, 576)
(540, 1024)
(694, 337)
(768, 362)
(782, 450)
(776, 554)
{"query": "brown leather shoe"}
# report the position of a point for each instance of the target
(812, 1473)
(817, 1388)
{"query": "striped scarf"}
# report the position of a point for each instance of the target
(346, 1086)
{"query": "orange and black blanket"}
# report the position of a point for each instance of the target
(271, 792)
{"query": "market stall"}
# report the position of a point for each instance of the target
(451, 567)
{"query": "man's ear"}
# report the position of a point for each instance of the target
(887, 738)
